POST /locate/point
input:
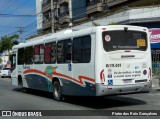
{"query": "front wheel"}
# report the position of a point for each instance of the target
(57, 91)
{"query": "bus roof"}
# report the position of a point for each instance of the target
(69, 34)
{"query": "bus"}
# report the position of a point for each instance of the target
(97, 61)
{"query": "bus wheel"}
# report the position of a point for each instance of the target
(57, 91)
(24, 90)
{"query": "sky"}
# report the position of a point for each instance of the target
(15, 14)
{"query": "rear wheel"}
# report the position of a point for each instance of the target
(57, 91)
(24, 90)
(20, 84)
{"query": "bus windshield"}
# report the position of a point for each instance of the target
(124, 40)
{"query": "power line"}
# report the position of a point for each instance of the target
(28, 27)
(24, 3)
(23, 20)
(8, 4)
(16, 15)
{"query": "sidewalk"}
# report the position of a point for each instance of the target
(155, 81)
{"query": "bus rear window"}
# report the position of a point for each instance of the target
(124, 40)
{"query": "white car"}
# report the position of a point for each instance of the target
(6, 72)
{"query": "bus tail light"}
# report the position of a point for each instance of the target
(150, 72)
(103, 29)
(102, 77)
(101, 74)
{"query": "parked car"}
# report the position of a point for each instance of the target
(6, 72)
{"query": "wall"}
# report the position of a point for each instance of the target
(39, 14)
(127, 17)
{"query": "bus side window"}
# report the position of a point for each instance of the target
(81, 49)
(50, 53)
(13, 61)
(29, 55)
(38, 54)
(42, 47)
(64, 51)
(53, 52)
(21, 56)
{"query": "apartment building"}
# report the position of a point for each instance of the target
(61, 14)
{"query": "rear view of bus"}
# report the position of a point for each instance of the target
(123, 60)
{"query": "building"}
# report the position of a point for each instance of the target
(39, 15)
(78, 14)
(55, 15)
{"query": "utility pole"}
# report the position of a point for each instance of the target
(21, 30)
(52, 16)
(54, 12)
(70, 14)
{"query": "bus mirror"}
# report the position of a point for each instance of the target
(125, 29)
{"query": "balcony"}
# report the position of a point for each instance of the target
(99, 5)
(55, 1)
(64, 17)
(95, 6)
(47, 24)
(63, 2)
(46, 6)
(111, 3)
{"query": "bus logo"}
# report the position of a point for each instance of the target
(107, 38)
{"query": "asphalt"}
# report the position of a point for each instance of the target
(155, 81)
(12, 98)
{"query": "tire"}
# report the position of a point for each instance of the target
(24, 90)
(20, 84)
(57, 91)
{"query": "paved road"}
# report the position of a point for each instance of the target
(11, 98)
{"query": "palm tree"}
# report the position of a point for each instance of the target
(7, 43)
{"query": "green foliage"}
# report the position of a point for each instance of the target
(95, 24)
(0, 60)
(6, 42)
(113, 23)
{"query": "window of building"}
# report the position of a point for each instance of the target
(21, 57)
(29, 55)
(50, 53)
(39, 54)
(81, 49)
(64, 51)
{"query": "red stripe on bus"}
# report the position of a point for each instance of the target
(73, 79)
(80, 81)
(34, 71)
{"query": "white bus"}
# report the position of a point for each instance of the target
(98, 61)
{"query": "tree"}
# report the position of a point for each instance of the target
(113, 23)
(6, 43)
(0, 60)
(95, 24)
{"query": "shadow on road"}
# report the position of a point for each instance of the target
(91, 102)
(35, 92)
(106, 102)
(157, 89)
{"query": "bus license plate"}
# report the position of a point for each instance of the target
(127, 80)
